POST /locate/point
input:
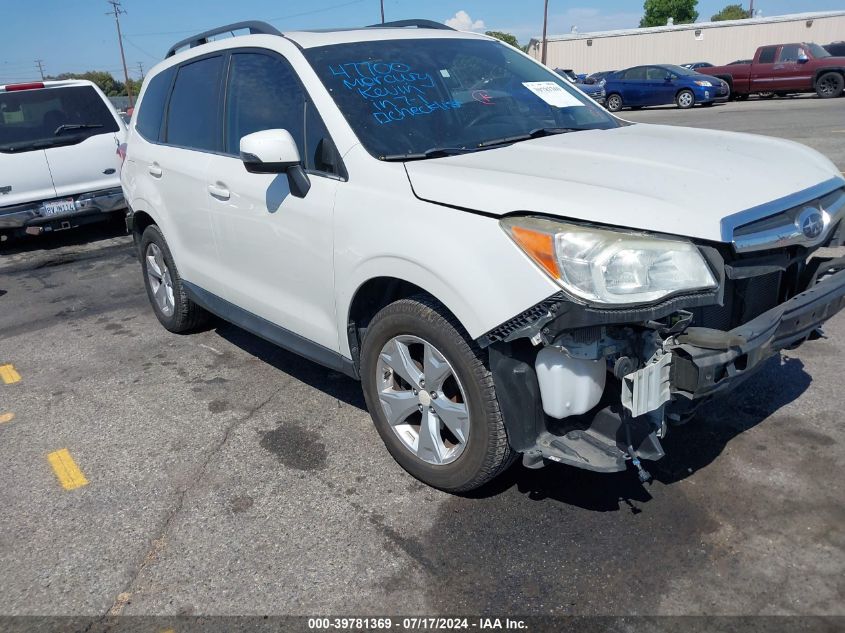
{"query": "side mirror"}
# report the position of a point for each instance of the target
(275, 152)
(803, 59)
(667, 78)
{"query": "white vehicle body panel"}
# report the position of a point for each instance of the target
(275, 250)
(84, 166)
(28, 175)
(680, 181)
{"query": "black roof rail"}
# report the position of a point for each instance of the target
(420, 24)
(255, 28)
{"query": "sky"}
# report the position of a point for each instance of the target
(77, 35)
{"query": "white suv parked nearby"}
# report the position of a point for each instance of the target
(507, 268)
(58, 156)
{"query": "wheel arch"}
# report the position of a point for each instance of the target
(377, 292)
(828, 69)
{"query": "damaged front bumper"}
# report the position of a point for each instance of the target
(707, 362)
(690, 365)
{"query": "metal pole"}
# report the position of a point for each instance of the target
(545, 26)
(382, 11)
(141, 70)
(39, 63)
(117, 10)
(751, 10)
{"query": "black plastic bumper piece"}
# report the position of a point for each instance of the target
(708, 362)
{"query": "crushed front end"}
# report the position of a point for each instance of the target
(597, 387)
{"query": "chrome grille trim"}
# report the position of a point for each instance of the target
(779, 223)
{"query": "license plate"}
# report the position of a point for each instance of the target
(58, 207)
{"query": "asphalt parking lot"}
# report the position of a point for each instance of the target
(220, 475)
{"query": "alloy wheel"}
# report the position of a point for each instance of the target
(423, 399)
(161, 283)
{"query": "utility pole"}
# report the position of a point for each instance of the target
(40, 64)
(751, 10)
(141, 70)
(545, 27)
(116, 11)
(382, 11)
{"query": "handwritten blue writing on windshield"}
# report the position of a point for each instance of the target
(395, 91)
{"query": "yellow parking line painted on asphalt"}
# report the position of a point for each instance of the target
(66, 470)
(6, 417)
(9, 374)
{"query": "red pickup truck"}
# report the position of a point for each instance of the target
(785, 69)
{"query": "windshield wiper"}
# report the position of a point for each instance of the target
(75, 126)
(438, 152)
(434, 152)
(535, 133)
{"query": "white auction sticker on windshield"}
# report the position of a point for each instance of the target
(552, 93)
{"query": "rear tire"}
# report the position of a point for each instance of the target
(174, 310)
(830, 86)
(466, 444)
(614, 102)
(685, 99)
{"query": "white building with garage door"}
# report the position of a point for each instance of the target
(715, 42)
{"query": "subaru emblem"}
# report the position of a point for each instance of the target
(811, 222)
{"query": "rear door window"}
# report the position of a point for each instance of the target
(193, 115)
(636, 74)
(150, 117)
(767, 55)
(40, 118)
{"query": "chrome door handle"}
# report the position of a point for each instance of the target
(155, 170)
(219, 192)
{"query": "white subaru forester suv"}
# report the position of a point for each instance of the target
(507, 268)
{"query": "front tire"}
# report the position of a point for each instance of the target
(830, 86)
(431, 396)
(174, 310)
(685, 99)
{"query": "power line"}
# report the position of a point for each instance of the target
(40, 64)
(116, 11)
(138, 48)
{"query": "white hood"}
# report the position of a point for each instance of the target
(680, 181)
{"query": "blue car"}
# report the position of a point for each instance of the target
(596, 91)
(642, 86)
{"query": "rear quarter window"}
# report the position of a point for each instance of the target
(150, 115)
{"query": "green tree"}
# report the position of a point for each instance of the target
(507, 38)
(732, 12)
(658, 12)
(105, 82)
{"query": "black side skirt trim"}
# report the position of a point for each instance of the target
(270, 331)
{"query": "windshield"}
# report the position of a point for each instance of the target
(410, 96)
(680, 70)
(36, 119)
(817, 51)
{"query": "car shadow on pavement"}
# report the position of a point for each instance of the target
(335, 384)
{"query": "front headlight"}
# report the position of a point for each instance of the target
(705, 84)
(611, 267)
